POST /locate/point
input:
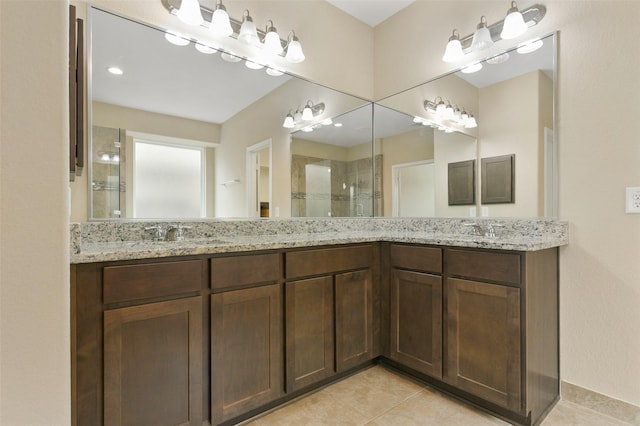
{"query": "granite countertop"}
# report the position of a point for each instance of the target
(520, 236)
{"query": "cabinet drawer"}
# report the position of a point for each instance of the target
(134, 282)
(427, 259)
(240, 271)
(481, 265)
(327, 261)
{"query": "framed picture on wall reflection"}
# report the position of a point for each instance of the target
(462, 183)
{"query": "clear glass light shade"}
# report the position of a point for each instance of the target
(307, 114)
(514, 24)
(207, 50)
(453, 52)
(294, 52)
(189, 12)
(248, 33)
(288, 122)
(272, 42)
(482, 37)
(176, 39)
(220, 24)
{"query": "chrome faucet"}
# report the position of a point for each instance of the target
(158, 232)
(489, 231)
(175, 232)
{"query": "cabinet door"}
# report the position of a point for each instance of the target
(354, 319)
(309, 331)
(483, 340)
(153, 364)
(246, 350)
(416, 321)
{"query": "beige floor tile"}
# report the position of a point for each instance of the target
(373, 391)
(569, 414)
(317, 409)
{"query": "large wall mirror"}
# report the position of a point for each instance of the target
(188, 132)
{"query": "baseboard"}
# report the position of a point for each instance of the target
(601, 403)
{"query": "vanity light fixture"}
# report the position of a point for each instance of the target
(189, 12)
(482, 37)
(453, 51)
(271, 41)
(515, 24)
(309, 112)
(221, 24)
(248, 31)
(446, 113)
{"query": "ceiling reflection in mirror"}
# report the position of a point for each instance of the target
(512, 97)
(198, 112)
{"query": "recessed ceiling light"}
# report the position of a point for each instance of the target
(274, 72)
(229, 57)
(176, 39)
(115, 70)
(529, 46)
(338, 124)
(470, 69)
(207, 50)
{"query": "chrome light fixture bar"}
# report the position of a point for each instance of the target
(240, 33)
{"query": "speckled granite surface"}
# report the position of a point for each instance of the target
(122, 240)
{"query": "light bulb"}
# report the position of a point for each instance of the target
(453, 51)
(448, 112)
(104, 156)
(248, 32)
(207, 50)
(471, 122)
(440, 107)
(220, 24)
(189, 12)
(116, 158)
(294, 51)
(176, 39)
(307, 114)
(288, 122)
(513, 24)
(272, 41)
(297, 116)
(482, 37)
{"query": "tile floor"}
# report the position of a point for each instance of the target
(378, 396)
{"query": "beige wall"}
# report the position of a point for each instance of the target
(34, 213)
(512, 123)
(599, 155)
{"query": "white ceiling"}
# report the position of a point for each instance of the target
(371, 12)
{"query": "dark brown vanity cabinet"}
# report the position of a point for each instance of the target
(415, 308)
(330, 317)
(246, 334)
(137, 340)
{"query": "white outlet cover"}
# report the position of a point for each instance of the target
(633, 200)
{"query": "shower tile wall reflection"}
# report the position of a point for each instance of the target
(322, 187)
(108, 184)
